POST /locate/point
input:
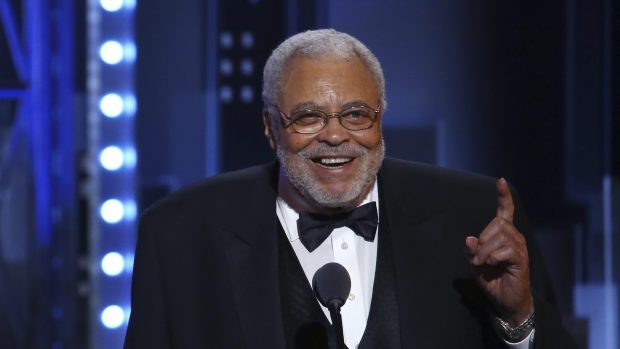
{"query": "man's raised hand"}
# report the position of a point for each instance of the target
(500, 260)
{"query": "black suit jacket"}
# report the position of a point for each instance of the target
(206, 266)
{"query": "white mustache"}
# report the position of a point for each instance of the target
(324, 150)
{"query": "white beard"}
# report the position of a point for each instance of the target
(297, 168)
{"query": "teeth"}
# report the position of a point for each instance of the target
(334, 161)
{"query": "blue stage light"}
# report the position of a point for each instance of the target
(130, 210)
(226, 40)
(129, 50)
(130, 157)
(111, 52)
(113, 264)
(247, 40)
(113, 317)
(112, 158)
(111, 5)
(247, 67)
(129, 105)
(226, 67)
(112, 211)
(112, 105)
(247, 94)
(226, 94)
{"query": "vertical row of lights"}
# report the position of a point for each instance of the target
(111, 120)
(245, 67)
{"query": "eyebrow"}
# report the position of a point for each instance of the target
(315, 106)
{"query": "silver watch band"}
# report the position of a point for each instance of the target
(514, 334)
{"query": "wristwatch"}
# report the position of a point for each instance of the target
(515, 334)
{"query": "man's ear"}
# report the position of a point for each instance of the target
(268, 130)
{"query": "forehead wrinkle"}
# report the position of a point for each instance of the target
(310, 105)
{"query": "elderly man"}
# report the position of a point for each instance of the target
(437, 258)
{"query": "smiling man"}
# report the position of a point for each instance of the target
(437, 258)
(331, 162)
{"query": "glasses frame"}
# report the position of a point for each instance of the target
(327, 116)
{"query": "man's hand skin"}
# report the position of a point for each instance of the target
(501, 263)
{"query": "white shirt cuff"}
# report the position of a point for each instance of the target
(526, 343)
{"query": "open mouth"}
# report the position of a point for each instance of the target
(332, 162)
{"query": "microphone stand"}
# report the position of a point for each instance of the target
(334, 312)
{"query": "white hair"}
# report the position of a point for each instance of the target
(318, 43)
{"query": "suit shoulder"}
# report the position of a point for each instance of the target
(402, 170)
(216, 191)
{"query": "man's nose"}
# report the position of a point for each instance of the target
(333, 133)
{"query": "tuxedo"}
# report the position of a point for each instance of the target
(208, 265)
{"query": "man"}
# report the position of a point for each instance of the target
(227, 263)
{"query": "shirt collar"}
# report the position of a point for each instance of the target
(288, 216)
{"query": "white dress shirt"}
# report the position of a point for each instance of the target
(359, 257)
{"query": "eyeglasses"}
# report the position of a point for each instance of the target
(309, 121)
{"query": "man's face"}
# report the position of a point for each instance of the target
(334, 168)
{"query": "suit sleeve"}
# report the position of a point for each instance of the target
(550, 333)
(147, 323)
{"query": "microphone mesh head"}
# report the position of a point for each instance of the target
(331, 285)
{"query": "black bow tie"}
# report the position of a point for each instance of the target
(314, 228)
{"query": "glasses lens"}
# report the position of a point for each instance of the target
(307, 121)
(358, 118)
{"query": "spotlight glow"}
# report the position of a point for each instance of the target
(112, 105)
(247, 94)
(113, 264)
(130, 157)
(226, 67)
(112, 211)
(226, 94)
(247, 40)
(113, 316)
(226, 40)
(112, 158)
(129, 52)
(111, 52)
(247, 67)
(111, 5)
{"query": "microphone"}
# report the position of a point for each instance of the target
(331, 285)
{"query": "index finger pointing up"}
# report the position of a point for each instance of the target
(505, 206)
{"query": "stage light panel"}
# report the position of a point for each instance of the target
(112, 157)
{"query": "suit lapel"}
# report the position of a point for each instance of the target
(416, 233)
(253, 265)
